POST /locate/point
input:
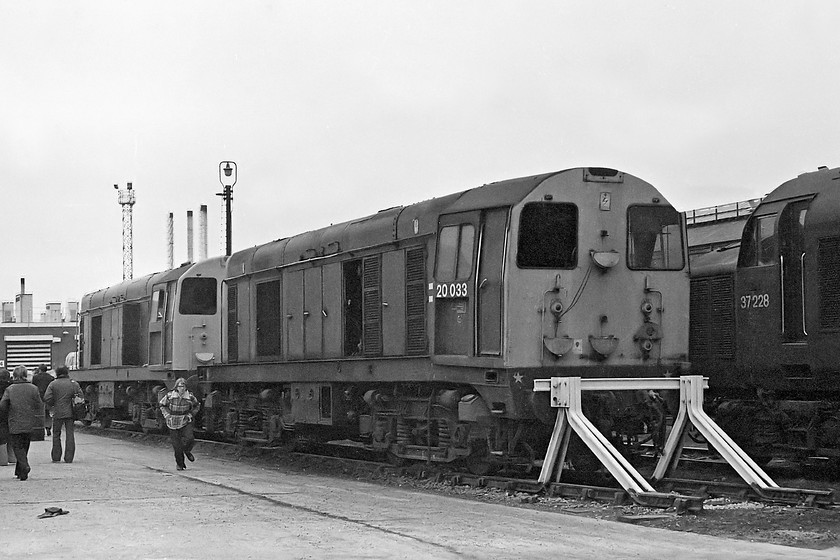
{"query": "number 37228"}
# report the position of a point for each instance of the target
(755, 300)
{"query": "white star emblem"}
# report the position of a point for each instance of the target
(517, 377)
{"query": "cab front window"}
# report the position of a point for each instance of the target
(548, 235)
(654, 238)
(198, 296)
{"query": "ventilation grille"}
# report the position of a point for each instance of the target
(233, 328)
(712, 325)
(415, 301)
(372, 306)
(698, 328)
(829, 282)
(723, 317)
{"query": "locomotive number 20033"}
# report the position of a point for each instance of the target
(451, 290)
(753, 301)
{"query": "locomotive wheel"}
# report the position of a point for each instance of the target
(523, 460)
(394, 459)
(479, 464)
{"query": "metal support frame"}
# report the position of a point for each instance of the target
(691, 409)
(565, 395)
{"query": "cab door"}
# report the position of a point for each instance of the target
(792, 260)
(489, 292)
(468, 283)
(454, 285)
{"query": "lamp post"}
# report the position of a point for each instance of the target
(227, 177)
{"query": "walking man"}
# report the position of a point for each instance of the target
(42, 380)
(178, 407)
(59, 396)
(25, 410)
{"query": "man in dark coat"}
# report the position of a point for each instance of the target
(59, 396)
(5, 446)
(42, 379)
(25, 410)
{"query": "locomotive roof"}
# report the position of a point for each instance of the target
(389, 225)
(806, 184)
(129, 290)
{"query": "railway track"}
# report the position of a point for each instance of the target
(351, 457)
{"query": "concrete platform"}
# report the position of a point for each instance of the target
(126, 500)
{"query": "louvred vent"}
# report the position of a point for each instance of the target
(415, 301)
(829, 283)
(372, 306)
(712, 326)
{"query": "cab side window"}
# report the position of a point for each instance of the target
(455, 253)
(758, 245)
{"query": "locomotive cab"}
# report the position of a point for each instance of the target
(786, 289)
(142, 334)
(778, 393)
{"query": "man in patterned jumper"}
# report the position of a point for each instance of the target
(179, 407)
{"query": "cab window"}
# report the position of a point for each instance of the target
(654, 238)
(548, 235)
(198, 296)
(455, 252)
(758, 245)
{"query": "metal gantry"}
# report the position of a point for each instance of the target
(126, 200)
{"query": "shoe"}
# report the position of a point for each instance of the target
(24, 477)
(180, 468)
(190, 456)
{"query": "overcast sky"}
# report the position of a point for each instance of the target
(334, 110)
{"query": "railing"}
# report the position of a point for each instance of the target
(721, 212)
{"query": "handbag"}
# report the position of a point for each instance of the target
(79, 408)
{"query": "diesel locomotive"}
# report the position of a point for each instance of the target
(418, 330)
(765, 323)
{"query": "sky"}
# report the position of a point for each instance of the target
(334, 110)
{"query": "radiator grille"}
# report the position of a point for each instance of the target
(829, 283)
(372, 306)
(415, 301)
(712, 325)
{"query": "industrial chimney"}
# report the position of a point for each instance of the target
(202, 232)
(189, 236)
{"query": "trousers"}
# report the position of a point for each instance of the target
(20, 445)
(68, 426)
(182, 442)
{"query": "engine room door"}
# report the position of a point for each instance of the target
(489, 292)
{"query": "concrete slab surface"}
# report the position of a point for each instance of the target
(127, 500)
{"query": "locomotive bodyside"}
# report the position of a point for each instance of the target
(421, 328)
(779, 305)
